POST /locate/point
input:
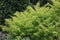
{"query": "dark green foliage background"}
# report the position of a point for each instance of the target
(8, 7)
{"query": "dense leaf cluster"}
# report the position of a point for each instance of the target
(8, 7)
(40, 24)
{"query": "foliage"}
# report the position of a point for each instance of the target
(8, 7)
(40, 24)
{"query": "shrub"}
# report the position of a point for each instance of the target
(8, 7)
(41, 24)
